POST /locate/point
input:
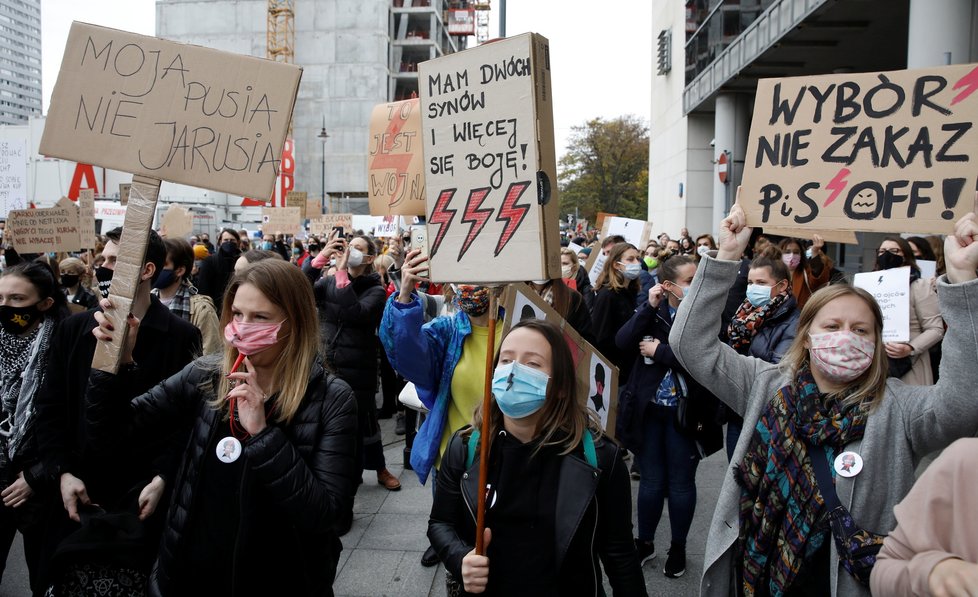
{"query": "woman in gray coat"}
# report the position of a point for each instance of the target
(829, 399)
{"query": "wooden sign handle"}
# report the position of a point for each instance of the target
(484, 439)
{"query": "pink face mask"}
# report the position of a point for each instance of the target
(841, 356)
(251, 338)
(791, 260)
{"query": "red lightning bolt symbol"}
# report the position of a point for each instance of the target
(969, 82)
(475, 216)
(511, 213)
(443, 216)
(397, 162)
(836, 185)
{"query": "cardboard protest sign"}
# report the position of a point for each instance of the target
(847, 237)
(86, 218)
(325, 223)
(314, 208)
(928, 268)
(492, 206)
(297, 199)
(124, 188)
(389, 226)
(13, 175)
(595, 263)
(596, 376)
(171, 111)
(177, 222)
(599, 220)
(45, 229)
(284, 220)
(889, 151)
(396, 183)
(636, 232)
(891, 288)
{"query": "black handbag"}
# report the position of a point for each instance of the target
(899, 367)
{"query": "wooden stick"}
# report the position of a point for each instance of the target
(484, 440)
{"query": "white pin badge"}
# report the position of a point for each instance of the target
(228, 449)
(848, 464)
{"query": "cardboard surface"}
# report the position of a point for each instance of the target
(323, 225)
(13, 175)
(297, 199)
(846, 237)
(314, 207)
(891, 288)
(521, 301)
(124, 189)
(491, 175)
(170, 111)
(86, 218)
(886, 152)
(45, 229)
(396, 179)
(177, 222)
(284, 220)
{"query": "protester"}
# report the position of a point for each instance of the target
(164, 345)
(445, 359)
(808, 274)
(829, 395)
(937, 246)
(569, 266)
(648, 410)
(934, 548)
(350, 306)
(559, 496)
(766, 322)
(174, 290)
(270, 464)
(614, 303)
(568, 303)
(253, 256)
(921, 249)
(704, 244)
(216, 270)
(910, 361)
(686, 246)
(31, 306)
(299, 253)
(75, 278)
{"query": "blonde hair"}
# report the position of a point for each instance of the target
(575, 264)
(288, 289)
(870, 387)
(383, 262)
(611, 277)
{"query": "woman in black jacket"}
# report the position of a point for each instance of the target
(270, 463)
(615, 293)
(667, 456)
(559, 496)
(350, 304)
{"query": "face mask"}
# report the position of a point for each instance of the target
(540, 282)
(230, 248)
(685, 290)
(356, 258)
(296, 252)
(808, 253)
(791, 260)
(267, 245)
(758, 295)
(251, 338)
(104, 277)
(165, 279)
(519, 390)
(566, 271)
(651, 262)
(631, 271)
(888, 260)
(472, 300)
(69, 280)
(15, 320)
(702, 250)
(841, 356)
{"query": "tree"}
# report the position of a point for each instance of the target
(606, 168)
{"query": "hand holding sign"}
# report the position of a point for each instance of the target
(961, 250)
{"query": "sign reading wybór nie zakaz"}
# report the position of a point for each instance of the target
(171, 111)
(490, 180)
(887, 151)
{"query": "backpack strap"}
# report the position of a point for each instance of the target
(590, 454)
(473, 444)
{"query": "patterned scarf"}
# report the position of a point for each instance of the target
(749, 319)
(23, 361)
(780, 505)
(180, 303)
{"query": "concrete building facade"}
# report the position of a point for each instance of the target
(702, 100)
(20, 60)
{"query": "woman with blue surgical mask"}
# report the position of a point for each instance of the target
(615, 295)
(766, 322)
(558, 492)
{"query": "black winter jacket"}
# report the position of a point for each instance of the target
(299, 476)
(593, 519)
(612, 308)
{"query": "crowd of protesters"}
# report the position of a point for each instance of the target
(233, 436)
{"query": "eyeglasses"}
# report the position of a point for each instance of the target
(892, 251)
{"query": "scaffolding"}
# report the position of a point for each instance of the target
(280, 44)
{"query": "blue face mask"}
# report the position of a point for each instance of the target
(685, 292)
(631, 271)
(758, 295)
(519, 390)
(267, 245)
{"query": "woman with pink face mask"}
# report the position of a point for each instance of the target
(827, 436)
(810, 269)
(270, 464)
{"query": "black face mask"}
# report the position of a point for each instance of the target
(229, 248)
(104, 277)
(69, 280)
(16, 320)
(889, 260)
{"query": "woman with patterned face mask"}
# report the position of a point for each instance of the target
(826, 435)
(615, 295)
(558, 497)
(31, 304)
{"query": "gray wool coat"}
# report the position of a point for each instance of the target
(910, 422)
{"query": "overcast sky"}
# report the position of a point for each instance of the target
(601, 55)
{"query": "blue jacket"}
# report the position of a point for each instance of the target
(425, 354)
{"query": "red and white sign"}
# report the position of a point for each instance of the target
(723, 167)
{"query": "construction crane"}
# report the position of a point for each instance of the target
(280, 47)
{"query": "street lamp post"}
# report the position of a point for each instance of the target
(324, 135)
